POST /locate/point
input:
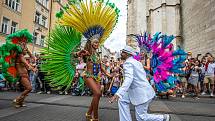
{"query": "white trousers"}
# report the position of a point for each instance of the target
(140, 111)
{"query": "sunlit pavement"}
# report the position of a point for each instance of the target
(50, 107)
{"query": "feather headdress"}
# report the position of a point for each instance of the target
(90, 18)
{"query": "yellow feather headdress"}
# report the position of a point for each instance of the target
(90, 18)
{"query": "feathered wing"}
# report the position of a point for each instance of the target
(9, 51)
(90, 18)
(168, 62)
(59, 62)
(144, 42)
(165, 62)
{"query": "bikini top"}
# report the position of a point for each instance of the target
(95, 59)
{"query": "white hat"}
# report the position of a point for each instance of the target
(129, 50)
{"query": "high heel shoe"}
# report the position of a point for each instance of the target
(88, 116)
(16, 104)
(23, 104)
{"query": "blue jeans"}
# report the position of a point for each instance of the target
(33, 81)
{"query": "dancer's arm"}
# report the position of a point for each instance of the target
(30, 54)
(105, 72)
(26, 63)
(147, 67)
(81, 53)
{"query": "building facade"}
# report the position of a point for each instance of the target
(41, 24)
(198, 20)
(154, 16)
(13, 16)
(56, 6)
(38, 16)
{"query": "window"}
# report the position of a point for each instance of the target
(42, 40)
(44, 2)
(40, 1)
(9, 3)
(18, 6)
(44, 21)
(14, 26)
(5, 25)
(35, 37)
(37, 17)
(6, 2)
(14, 4)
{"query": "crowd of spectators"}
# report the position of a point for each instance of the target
(197, 80)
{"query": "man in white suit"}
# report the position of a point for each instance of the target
(136, 90)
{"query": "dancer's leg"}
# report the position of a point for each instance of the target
(124, 108)
(27, 85)
(141, 112)
(95, 87)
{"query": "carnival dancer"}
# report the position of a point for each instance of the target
(94, 20)
(165, 62)
(15, 65)
(136, 90)
(92, 75)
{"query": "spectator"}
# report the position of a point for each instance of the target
(44, 86)
(105, 79)
(209, 74)
(202, 73)
(115, 83)
(194, 77)
(2, 81)
(80, 69)
(33, 77)
(183, 80)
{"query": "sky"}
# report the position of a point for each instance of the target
(117, 39)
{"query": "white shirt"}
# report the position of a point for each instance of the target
(135, 83)
(211, 69)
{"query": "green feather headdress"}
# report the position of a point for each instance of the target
(59, 62)
(8, 52)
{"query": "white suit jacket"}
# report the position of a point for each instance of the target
(135, 84)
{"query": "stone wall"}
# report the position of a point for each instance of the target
(198, 26)
(141, 16)
(136, 17)
(132, 15)
(154, 16)
(164, 17)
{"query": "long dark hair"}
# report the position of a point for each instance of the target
(88, 47)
